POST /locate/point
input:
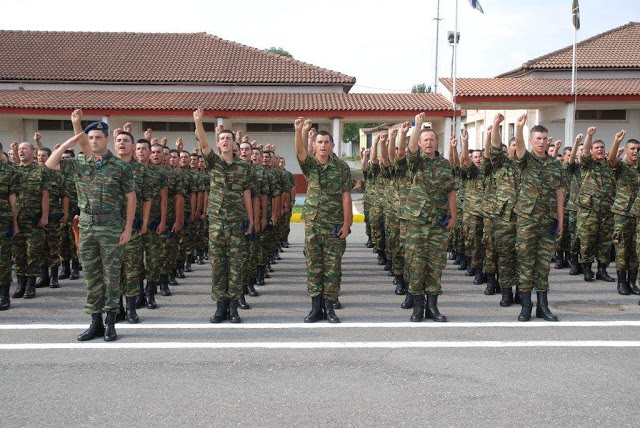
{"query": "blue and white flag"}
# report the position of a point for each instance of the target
(476, 5)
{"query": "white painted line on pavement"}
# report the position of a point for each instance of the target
(323, 345)
(284, 326)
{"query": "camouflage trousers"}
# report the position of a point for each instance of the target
(152, 243)
(404, 263)
(389, 219)
(505, 234)
(366, 207)
(52, 234)
(254, 247)
(426, 252)
(624, 239)
(377, 226)
(572, 226)
(323, 252)
(132, 266)
(473, 225)
(68, 249)
(563, 241)
(534, 248)
(263, 246)
(457, 232)
(227, 245)
(489, 244)
(101, 257)
(202, 239)
(185, 240)
(5, 259)
(28, 248)
(169, 254)
(393, 243)
(595, 231)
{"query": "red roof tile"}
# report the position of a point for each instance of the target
(233, 102)
(618, 48)
(518, 87)
(150, 58)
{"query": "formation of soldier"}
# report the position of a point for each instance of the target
(516, 210)
(142, 214)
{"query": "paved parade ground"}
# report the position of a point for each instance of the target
(482, 368)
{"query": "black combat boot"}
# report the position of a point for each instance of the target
(110, 327)
(75, 270)
(623, 285)
(30, 291)
(121, 316)
(574, 266)
(187, 264)
(458, 259)
(527, 306)
(251, 289)
(277, 256)
(18, 293)
(602, 274)
(233, 312)
(43, 280)
(53, 275)
(542, 307)
(400, 285)
(587, 272)
(479, 277)
(507, 297)
(633, 276)
(164, 285)
(559, 259)
(431, 312)
(221, 311)
(490, 289)
(452, 255)
(464, 263)
(316, 310)
(96, 329)
(269, 269)
(66, 270)
(150, 294)
(388, 266)
(369, 244)
(201, 260)
(260, 280)
(5, 302)
(471, 271)
(418, 308)
(172, 278)
(141, 299)
(408, 301)
(336, 304)
(329, 311)
(382, 258)
(180, 270)
(242, 302)
(132, 315)
(516, 297)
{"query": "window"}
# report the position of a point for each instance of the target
(272, 127)
(601, 115)
(176, 126)
(59, 125)
(512, 131)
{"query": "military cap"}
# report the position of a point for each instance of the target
(99, 125)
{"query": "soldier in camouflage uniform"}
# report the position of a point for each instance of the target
(328, 217)
(9, 187)
(230, 219)
(33, 217)
(473, 166)
(540, 218)
(563, 241)
(274, 209)
(366, 194)
(68, 248)
(572, 166)
(399, 172)
(376, 211)
(260, 222)
(105, 184)
(191, 188)
(507, 181)
(175, 213)
(595, 219)
(624, 221)
(49, 272)
(489, 213)
(431, 213)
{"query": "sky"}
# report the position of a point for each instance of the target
(387, 46)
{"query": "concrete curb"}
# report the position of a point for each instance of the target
(296, 218)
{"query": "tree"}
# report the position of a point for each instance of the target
(421, 88)
(351, 131)
(279, 51)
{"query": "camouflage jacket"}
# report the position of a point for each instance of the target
(33, 180)
(626, 175)
(575, 181)
(174, 187)
(325, 185)
(56, 194)
(473, 189)
(539, 180)
(9, 185)
(101, 187)
(141, 180)
(190, 187)
(228, 184)
(432, 182)
(274, 188)
(598, 185)
(507, 182)
(158, 181)
(403, 185)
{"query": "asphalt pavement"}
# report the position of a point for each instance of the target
(482, 368)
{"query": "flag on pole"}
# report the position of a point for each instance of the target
(575, 9)
(476, 5)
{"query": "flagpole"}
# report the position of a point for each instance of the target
(455, 73)
(574, 89)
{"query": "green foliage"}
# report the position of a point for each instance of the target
(351, 131)
(421, 88)
(279, 51)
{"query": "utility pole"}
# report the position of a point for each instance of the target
(437, 19)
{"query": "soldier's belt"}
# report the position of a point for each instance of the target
(99, 219)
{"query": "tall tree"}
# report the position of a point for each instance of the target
(351, 131)
(421, 88)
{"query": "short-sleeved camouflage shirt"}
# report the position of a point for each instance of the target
(626, 175)
(598, 186)
(507, 182)
(432, 182)
(228, 184)
(34, 179)
(175, 187)
(158, 180)
(9, 185)
(539, 180)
